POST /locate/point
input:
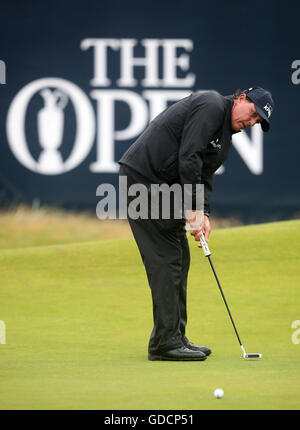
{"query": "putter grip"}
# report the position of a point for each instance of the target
(204, 246)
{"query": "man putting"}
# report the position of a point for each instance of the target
(185, 144)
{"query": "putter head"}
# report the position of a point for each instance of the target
(253, 355)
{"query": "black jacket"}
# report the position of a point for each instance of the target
(186, 143)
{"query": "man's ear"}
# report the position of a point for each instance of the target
(242, 97)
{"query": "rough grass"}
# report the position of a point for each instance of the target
(24, 226)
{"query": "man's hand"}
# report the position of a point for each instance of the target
(195, 219)
(206, 231)
(199, 223)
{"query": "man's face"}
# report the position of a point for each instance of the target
(243, 114)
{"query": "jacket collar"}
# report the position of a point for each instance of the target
(228, 108)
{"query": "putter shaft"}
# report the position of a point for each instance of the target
(228, 310)
(207, 253)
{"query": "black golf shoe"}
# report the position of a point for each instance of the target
(193, 347)
(178, 354)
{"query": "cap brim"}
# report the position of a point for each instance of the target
(265, 125)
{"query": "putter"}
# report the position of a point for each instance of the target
(207, 254)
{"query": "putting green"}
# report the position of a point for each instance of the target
(78, 317)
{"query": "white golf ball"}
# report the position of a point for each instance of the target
(219, 393)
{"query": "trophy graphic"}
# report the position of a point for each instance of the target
(50, 130)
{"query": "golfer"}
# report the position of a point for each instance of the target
(185, 144)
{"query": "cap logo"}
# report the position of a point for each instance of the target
(268, 109)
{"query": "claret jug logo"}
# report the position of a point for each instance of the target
(55, 94)
(2, 73)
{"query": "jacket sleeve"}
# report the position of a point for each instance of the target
(208, 187)
(204, 118)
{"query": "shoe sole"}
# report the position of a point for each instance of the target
(162, 358)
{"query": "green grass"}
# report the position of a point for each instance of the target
(78, 317)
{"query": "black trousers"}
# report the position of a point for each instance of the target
(164, 249)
